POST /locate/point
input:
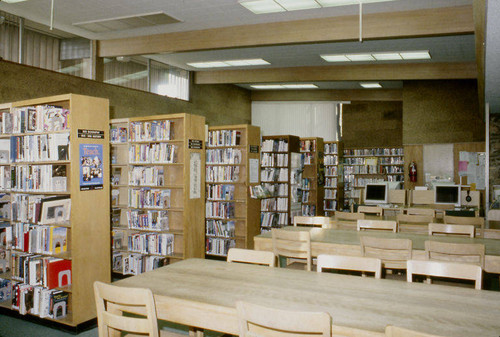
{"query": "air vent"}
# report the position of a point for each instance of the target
(127, 22)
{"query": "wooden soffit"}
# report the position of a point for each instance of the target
(329, 95)
(404, 24)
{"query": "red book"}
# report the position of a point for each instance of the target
(26, 242)
(58, 273)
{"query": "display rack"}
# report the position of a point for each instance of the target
(280, 178)
(232, 167)
(369, 165)
(157, 183)
(59, 237)
(313, 176)
(334, 179)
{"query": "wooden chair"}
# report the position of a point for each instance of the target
(377, 210)
(377, 225)
(316, 221)
(455, 252)
(414, 223)
(446, 229)
(292, 244)
(260, 257)
(354, 263)
(421, 211)
(257, 320)
(465, 220)
(453, 270)
(392, 331)
(112, 301)
(393, 252)
(345, 220)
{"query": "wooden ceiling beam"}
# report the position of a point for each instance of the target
(361, 72)
(329, 95)
(405, 24)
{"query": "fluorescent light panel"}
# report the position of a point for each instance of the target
(370, 85)
(284, 86)
(293, 5)
(13, 1)
(360, 57)
(416, 55)
(262, 6)
(229, 63)
(382, 56)
(274, 6)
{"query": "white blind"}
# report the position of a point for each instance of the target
(303, 119)
(169, 81)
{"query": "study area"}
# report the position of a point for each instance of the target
(249, 168)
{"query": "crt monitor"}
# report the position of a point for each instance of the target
(447, 195)
(376, 193)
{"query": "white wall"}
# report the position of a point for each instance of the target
(303, 119)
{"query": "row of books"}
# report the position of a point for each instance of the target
(219, 246)
(151, 131)
(273, 220)
(219, 210)
(6, 123)
(118, 134)
(308, 158)
(220, 192)
(146, 176)
(330, 182)
(331, 148)
(365, 169)
(274, 159)
(38, 178)
(330, 194)
(261, 191)
(149, 198)
(28, 208)
(391, 160)
(353, 181)
(305, 196)
(330, 205)
(5, 179)
(308, 210)
(39, 301)
(392, 169)
(222, 174)
(39, 239)
(274, 174)
(135, 264)
(220, 228)
(156, 153)
(49, 272)
(223, 156)
(308, 145)
(224, 138)
(118, 238)
(272, 205)
(374, 152)
(331, 160)
(38, 118)
(151, 243)
(44, 147)
(278, 190)
(149, 220)
(274, 145)
(331, 170)
(306, 184)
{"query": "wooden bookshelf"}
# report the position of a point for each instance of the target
(276, 162)
(370, 165)
(334, 179)
(155, 196)
(87, 234)
(238, 226)
(313, 176)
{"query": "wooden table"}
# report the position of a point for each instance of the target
(346, 242)
(203, 293)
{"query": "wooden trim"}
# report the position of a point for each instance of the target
(329, 95)
(479, 15)
(355, 72)
(404, 24)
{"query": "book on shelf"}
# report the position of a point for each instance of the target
(39, 118)
(146, 176)
(153, 153)
(5, 260)
(222, 174)
(6, 124)
(146, 197)
(134, 264)
(274, 145)
(50, 272)
(224, 138)
(151, 243)
(5, 289)
(151, 131)
(44, 147)
(150, 220)
(39, 301)
(260, 191)
(220, 192)
(117, 265)
(118, 134)
(4, 151)
(223, 156)
(219, 246)
(220, 228)
(39, 178)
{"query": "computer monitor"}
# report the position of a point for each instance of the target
(447, 195)
(376, 193)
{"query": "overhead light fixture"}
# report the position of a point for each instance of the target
(12, 1)
(229, 63)
(360, 57)
(387, 56)
(274, 6)
(335, 58)
(379, 56)
(370, 85)
(284, 86)
(416, 55)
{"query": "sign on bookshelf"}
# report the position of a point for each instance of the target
(91, 169)
(95, 134)
(195, 144)
(195, 175)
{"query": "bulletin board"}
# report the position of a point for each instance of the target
(472, 165)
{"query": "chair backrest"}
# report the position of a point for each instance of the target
(425, 197)
(377, 210)
(257, 320)
(355, 263)
(455, 252)
(464, 220)
(112, 301)
(414, 219)
(320, 221)
(261, 257)
(384, 225)
(453, 270)
(447, 229)
(393, 252)
(393, 331)
(347, 220)
(421, 211)
(295, 244)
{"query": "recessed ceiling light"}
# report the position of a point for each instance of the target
(335, 58)
(284, 86)
(370, 85)
(293, 5)
(214, 64)
(229, 63)
(360, 57)
(12, 1)
(416, 55)
(300, 86)
(379, 56)
(331, 3)
(267, 86)
(262, 6)
(387, 56)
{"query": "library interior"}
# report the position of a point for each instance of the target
(250, 168)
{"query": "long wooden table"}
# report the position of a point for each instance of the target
(203, 294)
(346, 242)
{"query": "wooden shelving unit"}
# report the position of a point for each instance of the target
(277, 153)
(232, 166)
(313, 176)
(368, 165)
(334, 179)
(87, 232)
(157, 183)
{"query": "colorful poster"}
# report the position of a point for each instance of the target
(91, 168)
